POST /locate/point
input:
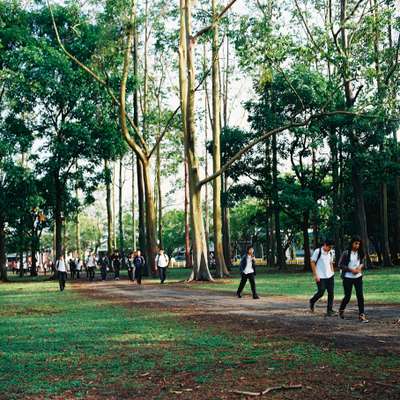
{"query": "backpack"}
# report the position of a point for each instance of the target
(320, 253)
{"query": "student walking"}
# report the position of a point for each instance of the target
(352, 264)
(131, 267)
(162, 261)
(324, 275)
(116, 265)
(78, 265)
(91, 266)
(248, 270)
(104, 264)
(139, 263)
(62, 272)
(72, 268)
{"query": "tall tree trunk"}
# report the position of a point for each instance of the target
(221, 269)
(150, 220)
(188, 256)
(120, 210)
(306, 242)
(114, 213)
(78, 229)
(278, 234)
(110, 240)
(133, 203)
(3, 254)
(200, 269)
(34, 247)
(206, 205)
(139, 168)
(397, 218)
(336, 217)
(226, 228)
(159, 193)
(226, 220)
(58, 215)
(387, 259)
(360, 205)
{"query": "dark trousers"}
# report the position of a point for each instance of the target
(72, 274)
(348, 288)
(77, 274)
(116, 272)
(325, 284)
(91, 273)
(131, 274)
(162, 271)
(138, 275)
(62, 277)
(243, 282)
(103, 271)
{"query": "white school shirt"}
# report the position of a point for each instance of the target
(162, 261)
(249, 266)
(91, 262)
(324, 270)
(354, 263)
(61, 266)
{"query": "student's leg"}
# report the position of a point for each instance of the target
(60, 281)
(165, 274)
(358, 284)
(320, 292)
(347, 288)
(253, 285)
(138, 274)
(242, 284)
(162, 274)
(330, 286)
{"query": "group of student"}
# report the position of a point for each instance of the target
(135, 263)
(351, 265)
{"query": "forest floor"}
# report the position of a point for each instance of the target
(116, 340)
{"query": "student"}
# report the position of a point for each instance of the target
(139, 263)
(352, 264)
(104, 264)
(78, 265)
(62, 272)
(91, 266)
(248, 270)
(324, 275)
(72, 268)
(131, 267)
(116, 265)
(162, 261)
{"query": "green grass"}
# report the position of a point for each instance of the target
(53, 343)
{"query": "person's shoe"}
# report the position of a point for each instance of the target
(331, 313)
(363, 318)
(256, 297)
(311, 307)
(239, 295)
(341, 314)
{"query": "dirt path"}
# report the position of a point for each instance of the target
(282, 315)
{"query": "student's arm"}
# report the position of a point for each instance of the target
(314, 271)
(314, 264)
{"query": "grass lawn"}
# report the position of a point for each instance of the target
(67, 345)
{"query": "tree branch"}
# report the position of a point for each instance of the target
(220, 15)
(268, 134)
(96, 77)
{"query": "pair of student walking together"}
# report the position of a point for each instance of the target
(351, 264)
